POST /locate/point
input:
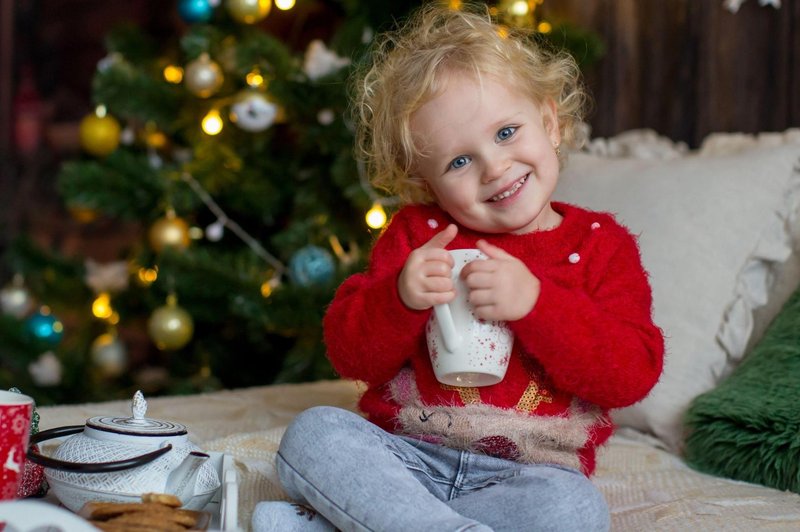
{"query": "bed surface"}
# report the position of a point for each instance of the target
(647, 487)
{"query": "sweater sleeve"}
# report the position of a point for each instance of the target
(597, 340)
(369, 333)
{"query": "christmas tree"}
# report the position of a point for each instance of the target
(233, 155)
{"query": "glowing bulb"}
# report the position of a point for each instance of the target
(376, 216)
(101, 307)
(544, 27)
(212, 123)
(455, 5)
(255, 79)
(153, 137)
(173, 74)
(284, 4)
(147, 276)
(269, 286)
(100, 111)
(519, 8)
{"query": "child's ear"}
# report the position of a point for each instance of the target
(550, 117)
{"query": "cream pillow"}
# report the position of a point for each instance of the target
(715, 233)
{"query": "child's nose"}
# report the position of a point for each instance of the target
(495, 168)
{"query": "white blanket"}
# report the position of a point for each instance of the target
(647, 487)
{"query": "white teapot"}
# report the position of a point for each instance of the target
(119, 458)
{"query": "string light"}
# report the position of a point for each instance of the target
(284, 4)
(212, 122)
(544, 27)
(101, 307)
(173, 74)
(153, 137)
(147, 276)
(255, 79)
(268, 286)
(519, 8)
(101, 111)
(376, 216)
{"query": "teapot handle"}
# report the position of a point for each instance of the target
(85, 467)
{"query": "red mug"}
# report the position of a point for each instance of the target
(15, 429)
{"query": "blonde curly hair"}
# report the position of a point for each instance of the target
(407, 67)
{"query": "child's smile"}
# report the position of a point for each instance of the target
(510, 191)
(489, 156)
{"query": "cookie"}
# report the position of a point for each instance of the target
(166, 499)
(158, 512)
(106, 510)
(151, 521)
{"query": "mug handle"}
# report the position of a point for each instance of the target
(85, 467)
(452, 339)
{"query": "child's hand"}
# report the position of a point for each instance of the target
(425, 279)
(501, 288)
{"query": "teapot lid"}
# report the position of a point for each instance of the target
(137, 424)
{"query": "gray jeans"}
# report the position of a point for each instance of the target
(363, 478)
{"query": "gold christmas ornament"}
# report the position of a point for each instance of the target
(170, 326)
(249, 11)
(203, 76)
(99, 133)
(169, 232)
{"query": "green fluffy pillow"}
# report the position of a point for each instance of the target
(748, 428)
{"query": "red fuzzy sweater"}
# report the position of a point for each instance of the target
(588, 345)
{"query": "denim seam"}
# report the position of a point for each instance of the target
(461, 474)
(416, 465)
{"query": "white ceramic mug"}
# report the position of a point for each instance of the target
(465, 350)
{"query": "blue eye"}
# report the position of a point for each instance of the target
(459, 162)
(506, 133)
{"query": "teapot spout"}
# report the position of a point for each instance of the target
(182, 479)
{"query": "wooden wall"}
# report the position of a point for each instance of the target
(690, 67)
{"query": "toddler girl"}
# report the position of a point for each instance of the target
(464, 121)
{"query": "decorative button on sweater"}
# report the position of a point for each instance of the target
(574, 258)
(589, 342)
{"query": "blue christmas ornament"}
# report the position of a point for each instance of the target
(311, 265)
(195, 10)
(45, 326)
